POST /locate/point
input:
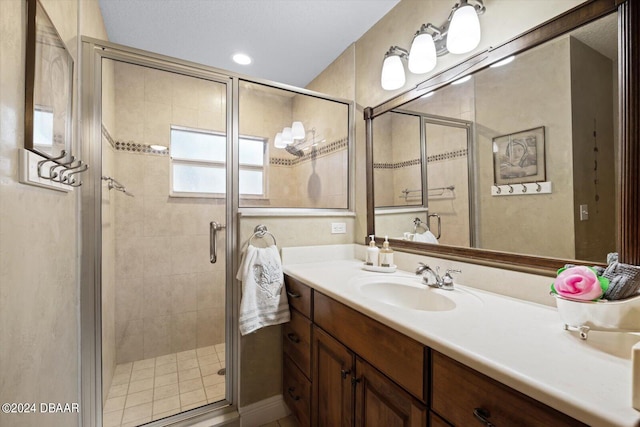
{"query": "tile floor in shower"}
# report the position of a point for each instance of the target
(158, 387)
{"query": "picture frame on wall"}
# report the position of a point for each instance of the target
(519, 157)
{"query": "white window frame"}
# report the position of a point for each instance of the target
(176, 160)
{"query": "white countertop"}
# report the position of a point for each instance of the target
(518, 343)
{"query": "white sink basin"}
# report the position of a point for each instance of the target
(408, 292)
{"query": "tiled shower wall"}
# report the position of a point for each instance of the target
(169, 297)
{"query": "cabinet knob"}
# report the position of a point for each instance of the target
(355, 381)
(344, 373)
(290, 390)
(482, 415)
(293, 337)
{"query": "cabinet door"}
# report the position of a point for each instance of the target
(381, 403)
(333, 367)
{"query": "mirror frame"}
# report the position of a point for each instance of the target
(628, 176)
(32, 60)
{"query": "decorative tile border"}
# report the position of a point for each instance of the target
(134, 147)
(436, 157)
(448, 156)
(398, 165)
(324, 150)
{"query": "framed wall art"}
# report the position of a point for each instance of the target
(519, 157)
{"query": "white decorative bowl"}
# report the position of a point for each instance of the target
(603, 315)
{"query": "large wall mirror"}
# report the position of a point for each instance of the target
(516, 163)
(49, 77)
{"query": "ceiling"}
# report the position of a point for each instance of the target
(290, 41)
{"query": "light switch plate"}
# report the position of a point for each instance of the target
(584, 212)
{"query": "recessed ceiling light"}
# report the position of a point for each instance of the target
(242, 59)
(503, 62)
(462, 80)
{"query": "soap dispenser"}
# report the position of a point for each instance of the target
(372, 253)
(386, 254)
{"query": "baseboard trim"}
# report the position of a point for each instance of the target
(263, 412)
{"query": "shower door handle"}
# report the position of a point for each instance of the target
(214, 227)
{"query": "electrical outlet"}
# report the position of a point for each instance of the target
(338, 227)
(584, 212)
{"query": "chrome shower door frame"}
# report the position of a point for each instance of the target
(92, 54)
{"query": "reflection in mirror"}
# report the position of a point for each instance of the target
(565, 86)
(49, 75)
(307, 141)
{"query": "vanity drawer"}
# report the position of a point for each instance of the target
(400, 358)
(299, 295)
(296, 341)
(457, 391)
(297, 392)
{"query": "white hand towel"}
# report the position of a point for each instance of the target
(264, 300)
(426, 237)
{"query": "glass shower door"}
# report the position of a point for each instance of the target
(164, 151)
(447, 143)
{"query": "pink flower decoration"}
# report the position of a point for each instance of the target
(578, 282)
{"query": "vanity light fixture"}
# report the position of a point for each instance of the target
(464, 28)
(289, 135)
(422, 55)
(505, 61)
(392, 76)
(459, 34)
(295, 141)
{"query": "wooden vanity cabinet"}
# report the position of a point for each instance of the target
(342, 368)
(296, 346)
(334, 375)
(463, 396)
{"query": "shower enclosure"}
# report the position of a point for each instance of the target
(159, 131)
(175, 150)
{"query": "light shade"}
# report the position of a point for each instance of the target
(278, 142)
(287, 136)
(464, 30)
(422, 56)
(392, 73)
(297, 130)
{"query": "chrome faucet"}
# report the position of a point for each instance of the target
(445, 282)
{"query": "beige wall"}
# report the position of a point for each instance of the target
(503, 95)
(592, 110)
(39, 347)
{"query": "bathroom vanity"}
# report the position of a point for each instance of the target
(354, 355)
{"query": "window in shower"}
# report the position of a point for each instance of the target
(198, 164)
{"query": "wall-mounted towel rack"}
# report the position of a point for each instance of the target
(260, 231)
(113, 184)
(62, 173)
(406, 193)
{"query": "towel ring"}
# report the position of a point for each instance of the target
(260, 232)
